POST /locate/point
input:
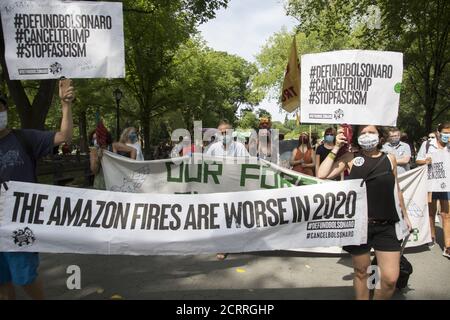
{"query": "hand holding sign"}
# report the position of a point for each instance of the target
(66, 90)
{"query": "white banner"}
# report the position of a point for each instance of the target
(439, 171)
(351, 86)
(43, 218)
(197, 174)
(413, 184)
(48, 39)
(211, 175)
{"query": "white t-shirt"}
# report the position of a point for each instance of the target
(432, 148)
(139, 154)
(235, 149)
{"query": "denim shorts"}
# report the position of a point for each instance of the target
(20, 268)
(440, 195)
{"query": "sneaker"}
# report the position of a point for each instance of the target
(431, 244)
(446, 253)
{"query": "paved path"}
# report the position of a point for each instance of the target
(262, 275)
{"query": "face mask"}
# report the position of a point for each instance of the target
(95, 143)
(3, 120)
(395, 141)
(445, 137)
(368, 141)
(226, 140)
(133, 137)
(329, 138)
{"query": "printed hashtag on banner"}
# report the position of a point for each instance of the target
(312, 85)
(312, 74)
(20, 49)
(312, 96)
(19, 35)
(17, 20)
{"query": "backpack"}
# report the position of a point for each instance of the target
(27, 147)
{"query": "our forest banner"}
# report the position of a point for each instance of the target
(43, 218)
(49, 39)
(351, 86)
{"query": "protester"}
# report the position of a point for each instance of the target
(225, 145)
(324, 149)
(399, 149)
(437, 141)
(101, 140)
(130, 138)
(267, 144)
(379, 172)
(303, 157)
(20, 149)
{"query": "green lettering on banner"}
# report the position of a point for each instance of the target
(245, 176)
(169, 173)
(188, 178)
(264, 176)
(214, 174)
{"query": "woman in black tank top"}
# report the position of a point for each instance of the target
(379, 172)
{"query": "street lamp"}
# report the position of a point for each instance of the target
(118, 96)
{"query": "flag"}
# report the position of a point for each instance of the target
(290, 95)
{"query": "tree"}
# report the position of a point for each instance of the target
(154, 31)
(249, 121)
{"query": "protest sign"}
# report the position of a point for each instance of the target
(439, 171)
(75, 39)
(351, 86)
(43, 218)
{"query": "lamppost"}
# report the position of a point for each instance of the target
(117, 95)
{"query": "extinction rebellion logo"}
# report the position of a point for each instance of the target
(56, 68)
(23, 237)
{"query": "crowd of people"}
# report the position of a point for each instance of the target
(374, 155)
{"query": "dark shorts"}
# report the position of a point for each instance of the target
(379, 237)
(20, 268)
(440, 195)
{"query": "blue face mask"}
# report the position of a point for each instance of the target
(329, 138)
(445, 137)
(133, 137)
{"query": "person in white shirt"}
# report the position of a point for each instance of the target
(437, 141)
(130, 138)
(226, 146)
(401, 150)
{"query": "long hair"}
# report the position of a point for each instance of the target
(125, 133)
(308, 145)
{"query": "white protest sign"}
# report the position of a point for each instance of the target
(351, 86)
(48, 39)
(43, 218)
(439, 171)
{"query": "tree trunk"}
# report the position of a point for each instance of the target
(145, 122)
(32, 115)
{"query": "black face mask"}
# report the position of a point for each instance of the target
(304, 140)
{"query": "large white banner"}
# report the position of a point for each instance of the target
(439, 171)
(49, 39)
(214, 174)
(197, 174)
(351, 86)
(43, 218)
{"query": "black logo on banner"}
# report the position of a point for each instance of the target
(443, 185)
(23, 237)
(338, 114)
(56, 68)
